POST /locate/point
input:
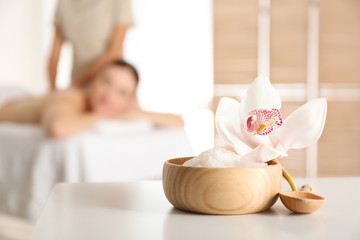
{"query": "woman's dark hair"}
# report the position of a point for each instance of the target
(124, 64)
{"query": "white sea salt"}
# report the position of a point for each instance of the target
(221, 158)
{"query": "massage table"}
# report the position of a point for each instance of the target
(31, 163)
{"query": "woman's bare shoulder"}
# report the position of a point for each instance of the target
(73, 96)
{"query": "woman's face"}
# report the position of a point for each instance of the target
(113, 90)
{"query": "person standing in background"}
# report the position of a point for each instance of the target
(96, 29)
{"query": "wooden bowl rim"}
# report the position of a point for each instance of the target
(274, 163)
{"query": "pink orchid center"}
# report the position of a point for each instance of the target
(263, 121)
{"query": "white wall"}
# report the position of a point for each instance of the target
(171, 45)
(21, 53)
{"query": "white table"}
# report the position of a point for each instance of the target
(139, 210)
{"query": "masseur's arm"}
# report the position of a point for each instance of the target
(113, 52)
(54, 57)
(64, 117)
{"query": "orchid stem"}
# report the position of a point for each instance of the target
(289, 179)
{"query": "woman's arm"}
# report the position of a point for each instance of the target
(54, 57)
(113, 52)
(65, 117)
(158, 119)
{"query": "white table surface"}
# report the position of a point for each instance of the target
(139, 210)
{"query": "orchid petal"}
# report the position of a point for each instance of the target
(264, 153)
(260, 95)
(225, 118)
(303, 127)
(254, 140)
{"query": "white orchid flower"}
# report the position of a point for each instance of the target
(255, 128)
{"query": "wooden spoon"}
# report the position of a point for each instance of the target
(301, 201)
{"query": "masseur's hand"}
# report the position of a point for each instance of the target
(81, 81)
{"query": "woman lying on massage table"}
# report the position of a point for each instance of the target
(112, 95)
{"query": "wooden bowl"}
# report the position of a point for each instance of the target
(221, 190)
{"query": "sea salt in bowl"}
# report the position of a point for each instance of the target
(221, 190)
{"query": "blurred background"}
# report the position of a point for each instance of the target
(191, 53)
(173, 55)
